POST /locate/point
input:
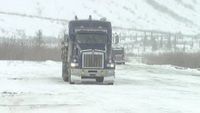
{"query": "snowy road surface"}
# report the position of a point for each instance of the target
(37, 87)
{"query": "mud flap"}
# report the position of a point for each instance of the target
(75, 79)
(109, 80)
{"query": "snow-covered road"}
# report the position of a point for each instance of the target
(37, 87)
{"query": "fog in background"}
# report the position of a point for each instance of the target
(34, 29)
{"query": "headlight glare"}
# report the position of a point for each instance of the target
(74, 64)
(111, 65)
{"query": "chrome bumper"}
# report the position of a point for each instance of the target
(119, 61)
(81, 75)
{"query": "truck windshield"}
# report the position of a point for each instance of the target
(91, 38)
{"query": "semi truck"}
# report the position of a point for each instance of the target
(87, 52)
(118, 52)
(118, 55)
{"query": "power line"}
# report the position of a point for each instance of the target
(33, 16)
(65, 21)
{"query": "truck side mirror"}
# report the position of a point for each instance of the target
(117, 39)
(66, 37)
(76, 51)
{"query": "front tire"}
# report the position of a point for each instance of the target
(99, 79)
(111, 83)
(64, 72)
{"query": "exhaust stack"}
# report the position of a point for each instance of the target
(76, 18)
(90, 17)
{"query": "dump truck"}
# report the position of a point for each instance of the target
(87, 52)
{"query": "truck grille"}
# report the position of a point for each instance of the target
(93, 60)
(118, 57)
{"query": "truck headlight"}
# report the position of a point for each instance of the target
(111, 65)
(74, 64)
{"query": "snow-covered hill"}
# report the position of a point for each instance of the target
(165, 15)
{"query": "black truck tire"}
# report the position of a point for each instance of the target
(64, 72)
(99, 79)
(111, 83)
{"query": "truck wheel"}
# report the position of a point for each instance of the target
(110, 83)
(65, 78)
(71, 82)
(64, 72)
(99, 79)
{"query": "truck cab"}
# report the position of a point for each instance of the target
(89, 52)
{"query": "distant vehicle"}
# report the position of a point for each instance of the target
(118, 55)
(86, 52)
